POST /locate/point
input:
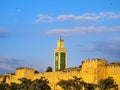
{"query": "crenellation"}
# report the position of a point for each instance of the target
(91, 71)
(24, 68)
(95, 61)
(113, 67)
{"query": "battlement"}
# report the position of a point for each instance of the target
(9, 74)
(75, 69)
(25, 72)
(114, 65)
(95, 61)
(24, 68)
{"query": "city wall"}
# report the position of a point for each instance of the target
(91, 71)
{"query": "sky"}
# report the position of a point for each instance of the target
(29, 31)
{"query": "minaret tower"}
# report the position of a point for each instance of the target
(60, 56)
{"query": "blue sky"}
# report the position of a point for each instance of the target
(29, 31)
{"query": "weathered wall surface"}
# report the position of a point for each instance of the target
(91, 71)
(1, 78)
(114, 71)
(54, 77)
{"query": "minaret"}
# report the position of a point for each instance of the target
(60, 56)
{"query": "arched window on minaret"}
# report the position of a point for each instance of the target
(60, 56)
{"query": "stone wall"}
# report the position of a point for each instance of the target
(113, 70)
(91, 71)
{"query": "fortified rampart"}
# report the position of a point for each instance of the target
(113, 70)
(25, 72)
(91, 71)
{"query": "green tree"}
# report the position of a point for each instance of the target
(90, 86)
(3, 84)
(76, 84)
(14, 86)
(71, 84)
(40, 84)
(49, 69)
(107, 84)
(25, 83)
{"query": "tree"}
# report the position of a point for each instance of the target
(4, 79)
(40, 84)
(25, 83)
(64, 84)
(108, 83)
(14, 86)
(76, 84)
(49, 69)
(90, 86)
(3, 84)
(71, 84)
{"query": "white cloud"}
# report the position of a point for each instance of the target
(9, 64)
(85, 17)
(78, 18)
(7, 59)
(90, 16)
(37, 67)
(82, 30)
(44, 18)
(110, 48)
(64, 32)
(6, 66)
(109, 15)
(107, 49)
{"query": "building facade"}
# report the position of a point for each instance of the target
(60, 56)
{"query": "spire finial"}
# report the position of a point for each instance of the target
(60, 37)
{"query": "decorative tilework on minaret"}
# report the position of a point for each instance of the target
(60, 56)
